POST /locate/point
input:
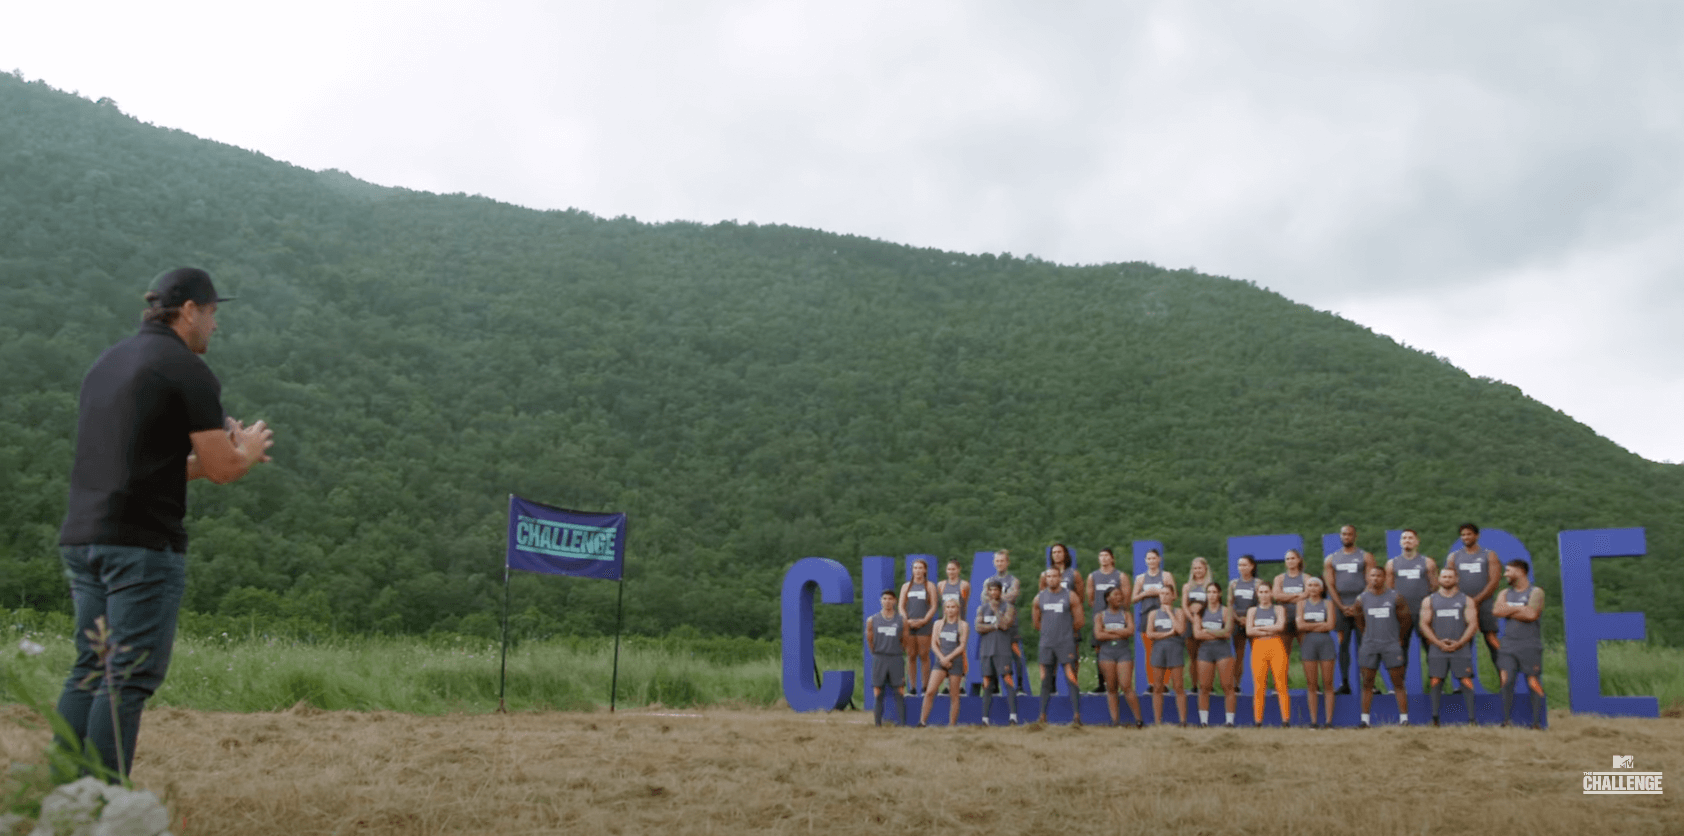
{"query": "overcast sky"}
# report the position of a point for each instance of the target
(1499, 183)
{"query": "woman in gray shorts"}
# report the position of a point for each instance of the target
(1165, 626)
(1213, 623)
(1113, 632)
(1318, 649)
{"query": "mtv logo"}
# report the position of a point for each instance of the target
(1623, 762)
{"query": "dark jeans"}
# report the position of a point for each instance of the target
(139, 592)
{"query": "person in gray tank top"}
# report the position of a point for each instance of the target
(1242, 596)
(918, 606)
(1521, 607)
(1165, 626)
(1345, 572)
(1058, 618)
(1147, 586)
(954, 587)
(1477, 572)
(1061, 558)
(1100, 583)
(1018, 679)
(1113, 628)
(1382, 616)
(1414, 576)
(1317, 650)
(885, 634)
(947, 652)
(1449, 622)
(1213, 624)
(994, 621)
(1290, 587)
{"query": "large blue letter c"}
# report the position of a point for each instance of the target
(835, 587)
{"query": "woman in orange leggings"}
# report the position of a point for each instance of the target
(1265, 624)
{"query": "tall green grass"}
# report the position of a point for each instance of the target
(454, 673)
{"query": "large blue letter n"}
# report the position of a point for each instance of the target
(800, 668)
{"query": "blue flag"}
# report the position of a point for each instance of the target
(556, 541)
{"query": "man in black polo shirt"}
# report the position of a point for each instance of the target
(150, 419)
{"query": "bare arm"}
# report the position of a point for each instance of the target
(1493, 571)
(1076, 615)
(1470, 614)
(224, 455)
(1427, 625)
(1008, 617)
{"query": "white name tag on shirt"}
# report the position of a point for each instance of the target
(1102, 588)
(915, 593)
(1058, 607)
(950, 636)
(951, 596)
(1473, 568)
(1264, 622)
(988, 619)
(1351, 568)
(887, 631)
(1412, 574)
(1196, 596)
(1163, 624)
(1114, 626)
(1450, 613)
(1315, 616)
(1244, 593)
(1380, 612)
(1152, 587)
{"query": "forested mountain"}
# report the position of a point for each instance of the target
(750, 395)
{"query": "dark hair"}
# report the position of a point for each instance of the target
(1410, 531)
(992, 584)
(1467, 527)
(1521, 565)
(162, 316)
(888, 593)
(1250, 558)
(1069, 559)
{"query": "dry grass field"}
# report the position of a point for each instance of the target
(771, 771)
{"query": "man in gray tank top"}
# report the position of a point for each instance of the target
(1018, 678)
(1413, 575)
(883, 634)
(1521, 607)
(1477, 570)
(1449, 622)
(1345, 572)
(1058, 618)
(994, 620)
(1382, 616)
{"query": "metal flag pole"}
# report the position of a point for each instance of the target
(503, 674)
(619, 611)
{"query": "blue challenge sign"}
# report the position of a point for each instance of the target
(1584, 627)
(556, 541)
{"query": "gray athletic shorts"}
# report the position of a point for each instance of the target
(1441, 665)
(995, 666)
(1487, 621)
(1167, 653)
(1318, 647)
(1064, 654)
(1526, 661)
(888, 671)
(1390, 656)
(1120, 651)
(1215, 651)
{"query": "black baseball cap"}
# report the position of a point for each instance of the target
(174, 288)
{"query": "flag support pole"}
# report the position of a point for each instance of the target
(503, 674)
(619, 611)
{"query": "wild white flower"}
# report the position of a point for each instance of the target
(30, 648)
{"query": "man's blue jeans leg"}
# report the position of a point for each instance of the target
(138, 591)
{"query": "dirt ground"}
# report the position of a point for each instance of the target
(753, 771)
